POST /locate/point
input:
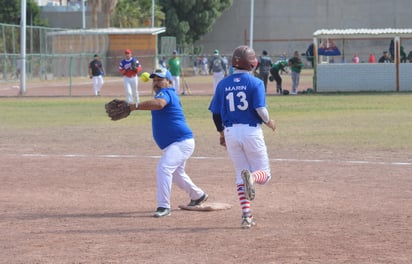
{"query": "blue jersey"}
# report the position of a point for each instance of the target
(126, 64)
(169, 124)
(236, 99)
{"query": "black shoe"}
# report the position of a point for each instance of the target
(198, 201)
(161, 211)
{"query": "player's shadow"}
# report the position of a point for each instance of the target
(113, 215)
(39, 216)
(140, 230)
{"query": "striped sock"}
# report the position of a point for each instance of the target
(244, 203)
(261, 177)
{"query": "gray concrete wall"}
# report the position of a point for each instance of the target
(71, 19)
(282, 26)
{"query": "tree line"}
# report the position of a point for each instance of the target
(187, 20)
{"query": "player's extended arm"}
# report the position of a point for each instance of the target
(119, 109)
(153, 104)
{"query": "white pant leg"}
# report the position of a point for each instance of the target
(134, 85)
(128, 89)
(97, 84)
(217, 77)
(247, 149)
(176, 83)
(171, 168)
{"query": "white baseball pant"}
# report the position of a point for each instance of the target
(217, 77)
(246, 147)
(97, 84)
(130, 88)
(171, 169)
(176, 83)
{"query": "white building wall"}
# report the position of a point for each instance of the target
(349, 77)
(285, 26)
(405, 77)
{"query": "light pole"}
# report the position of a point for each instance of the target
(23, 47)
(83, 15)
(153, 5)
(252, 8)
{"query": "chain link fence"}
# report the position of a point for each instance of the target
(49, 53)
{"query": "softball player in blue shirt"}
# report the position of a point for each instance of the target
(239, 108)
(174, 137)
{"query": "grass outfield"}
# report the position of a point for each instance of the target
(359, 123)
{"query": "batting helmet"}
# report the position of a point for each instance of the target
(244, 58)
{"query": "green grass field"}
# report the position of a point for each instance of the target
(364, 122)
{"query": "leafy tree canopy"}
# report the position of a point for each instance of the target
(189, 20)
(136, 13)
(11, 10)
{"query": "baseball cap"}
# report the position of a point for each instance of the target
(175, 52)
(128, 51)
(265, 52)
(216, 52)
(95, 55)
(161, 73)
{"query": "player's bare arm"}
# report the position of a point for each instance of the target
(271, 124)
(264, 115)
(154, 104)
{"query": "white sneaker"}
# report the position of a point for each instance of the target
(249, 182)
(247, 222)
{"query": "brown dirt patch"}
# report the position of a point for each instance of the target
(113, 87)
(92, 203)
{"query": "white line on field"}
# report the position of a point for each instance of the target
(223, 158)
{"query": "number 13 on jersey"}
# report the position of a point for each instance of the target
(242, 101)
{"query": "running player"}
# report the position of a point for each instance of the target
(239, 109)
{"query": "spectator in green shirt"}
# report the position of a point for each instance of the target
(175, 69)
(296, 65)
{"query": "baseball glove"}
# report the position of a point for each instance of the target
(117, 109)
(133, 67)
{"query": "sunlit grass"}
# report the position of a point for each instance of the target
(369, 121)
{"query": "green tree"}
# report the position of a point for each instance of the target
(108, 7)
(95, 4)
(105, 6)
(136, 13)
(189, 20)
(10, 13)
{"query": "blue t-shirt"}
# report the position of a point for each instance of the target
(169, 124)
(236, 99)
(126, 64)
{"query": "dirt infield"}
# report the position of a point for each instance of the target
(95, 209)
(74, 195)
(113, 87)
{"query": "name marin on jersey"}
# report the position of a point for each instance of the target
(235, 88)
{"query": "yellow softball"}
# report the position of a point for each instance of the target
(145, 77)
